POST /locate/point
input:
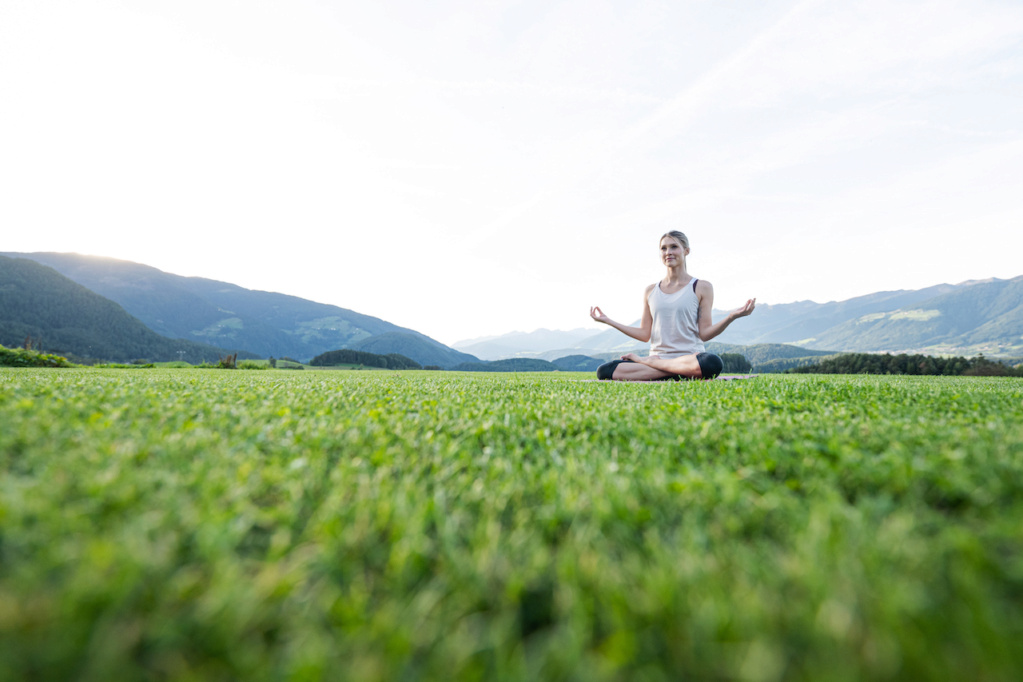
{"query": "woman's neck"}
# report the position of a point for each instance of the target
(677, 274)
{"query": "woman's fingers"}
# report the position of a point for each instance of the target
(746, 309)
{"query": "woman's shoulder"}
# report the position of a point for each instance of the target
(649, 290)
(704, 290)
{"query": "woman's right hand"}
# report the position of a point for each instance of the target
(597, 314)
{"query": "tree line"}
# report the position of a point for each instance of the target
(920, 365)
(26, 357)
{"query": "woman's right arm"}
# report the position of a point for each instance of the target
(640, 333)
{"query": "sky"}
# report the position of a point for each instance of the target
(473, 168)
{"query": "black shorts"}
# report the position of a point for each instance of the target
(710, 366)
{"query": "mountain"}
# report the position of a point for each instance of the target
(508, 345)
(794, 322)
(552, 355)
(66, 318)
(223, 314)
(982, 317)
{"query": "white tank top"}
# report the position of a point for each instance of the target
(675, 329)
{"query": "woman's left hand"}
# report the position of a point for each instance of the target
(744, 310)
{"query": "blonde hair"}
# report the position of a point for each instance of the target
(677, 236)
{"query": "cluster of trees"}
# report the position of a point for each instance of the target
(577, 363)
(23, 357)
(735, 363)
(423, 350)
(869, 363)
(779, 365)
(347, 356)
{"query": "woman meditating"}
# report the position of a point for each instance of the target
(676, 321)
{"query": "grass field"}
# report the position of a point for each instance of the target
(213, 525)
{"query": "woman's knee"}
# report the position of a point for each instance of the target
(710, 365)
(607, 370)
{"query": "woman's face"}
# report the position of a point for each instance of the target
(672, 253)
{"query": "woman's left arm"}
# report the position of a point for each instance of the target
(708, 328)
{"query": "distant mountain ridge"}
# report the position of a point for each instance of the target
(64, 317)
(795, 322)
(981, 317)
(523, 342)
(223, 314)
(977, 316)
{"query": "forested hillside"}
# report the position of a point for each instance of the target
(223, 314)
(63, 317)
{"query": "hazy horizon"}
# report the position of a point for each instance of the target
(591, 329)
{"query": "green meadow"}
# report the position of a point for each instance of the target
(187, 524)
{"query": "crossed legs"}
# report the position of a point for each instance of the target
(634, 368)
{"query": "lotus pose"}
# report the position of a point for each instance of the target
(676, 321)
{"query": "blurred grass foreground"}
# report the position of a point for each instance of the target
(173, 524)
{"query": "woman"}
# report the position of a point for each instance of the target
(676, 321)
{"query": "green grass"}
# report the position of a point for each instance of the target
(189, 524)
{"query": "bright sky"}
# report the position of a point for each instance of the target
(478, 167)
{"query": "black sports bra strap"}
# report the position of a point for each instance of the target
(694, 284)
